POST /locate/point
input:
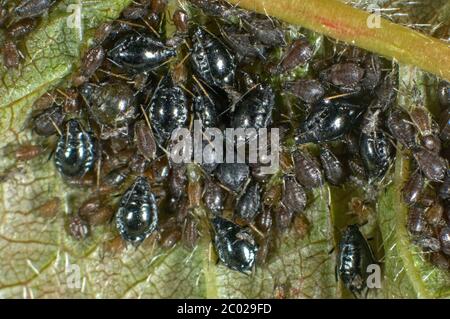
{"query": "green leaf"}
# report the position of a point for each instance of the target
(51, 52)
(38, 257)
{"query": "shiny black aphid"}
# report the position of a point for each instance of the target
(137, 216)
(75, 151)
(211, 59)
(254, 110)
(138, 52)
(353, 258)
(376, 149)
(235, 245)
(168, 109)
(328, 121)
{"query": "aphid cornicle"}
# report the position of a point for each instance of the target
(328, 121)
(235, 245)
(75, 151)
(212, 60)
(376, 149)
(140, 52)
(353, 258)
(168, 109)
(137, 216)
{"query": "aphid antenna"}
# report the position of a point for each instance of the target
(184, 59)
(207, 85)
(55, 126)
(119, 76)
(256, 230)
(202, 88)
(164, 18)
(329, 98)
(151, 28)
(95, 77)
(63, 93)
(162, 64)
(186, 90)
(436, 27)
(147, 98)
(187, 45)
(131, 24)
(233, 104)
(225, 188)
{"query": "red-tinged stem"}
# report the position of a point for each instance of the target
(343, 22)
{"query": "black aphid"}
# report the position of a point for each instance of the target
(137, 216)
(75, 151)
(235, 245)
(353, 258)
(140, 52)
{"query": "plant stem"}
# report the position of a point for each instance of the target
(343, 22)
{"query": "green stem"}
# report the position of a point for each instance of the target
(343, 22)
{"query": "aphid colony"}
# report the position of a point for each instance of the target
(427, 190)
(112, 129)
